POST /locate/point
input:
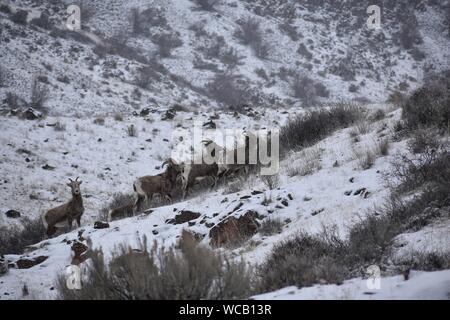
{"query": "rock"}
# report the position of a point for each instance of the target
(347, 193)
(255, 192)
(359, 191)
(209, 125)
(144, 112)
(285, 203)
(13, 214)
(31, 114)
(290, 196)
(27, 263)
(48, 167)
(155, 232)
(316, 212)
(169, 115)
(245, 197)
(184, 216)
(233, 230)
(209, 224)
(80, 252)
(101, 225)
(351, 180)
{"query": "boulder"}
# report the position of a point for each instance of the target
(234, 230)
(31, 114)
(80, 252)
(183, 217)
(27, 263)
(13, 214)
(101, 225)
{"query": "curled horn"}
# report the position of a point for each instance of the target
(76, 179)
(70, 180)
(207, 142)
(164, 163)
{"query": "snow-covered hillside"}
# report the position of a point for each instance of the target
(103, 103)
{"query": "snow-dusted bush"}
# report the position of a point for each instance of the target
(229, 89)
(423, 140)
(308, 90)
(167, 42)
(20, 17)
(270, 227)
(42, 22)
(305, 130)
(309, 162)
(249, 33)
(430, 104)
(39, 95)
(207, 5)
(135, 21)
(2, 76)
(271, 182)
(303, 261)
(188, 271)
(14, 239)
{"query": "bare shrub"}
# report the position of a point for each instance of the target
(39, 95)
(425, 261)
(307, 90)
(308, 163)
(20, 17)
(305, 130)
(145, 76)
(167, 42)
(382, 147)
(230, 57)
(100, 121)
(59, 126)
(118, 116)
(302, 261)
(2, 76)
(192, 272)
(131, 130)
(270, 227)
(229, 89)
(118, 200)
(271, 181)
(14, 239)
(42, 22)
(429, 105)
(365, 158)
(249, 33)
(135, 21)
(424, 140)
(207, 5)
(12, 101)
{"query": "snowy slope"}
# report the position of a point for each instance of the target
(420, 286)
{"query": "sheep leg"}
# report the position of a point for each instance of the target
(69, 222)
(137, 204)
(79, 221)
(50, 231)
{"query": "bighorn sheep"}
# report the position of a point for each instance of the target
(237, 159)
(192, 172)
(65, 214)
(148, 186)
(121, 212)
